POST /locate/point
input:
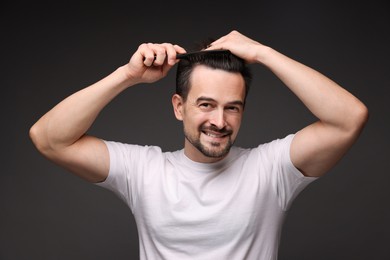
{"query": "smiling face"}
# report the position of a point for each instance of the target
(211, 114)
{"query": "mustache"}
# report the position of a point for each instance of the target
(223, 131)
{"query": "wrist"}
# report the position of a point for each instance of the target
(125, 76)
(263, 53)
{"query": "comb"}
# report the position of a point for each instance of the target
(201, 53)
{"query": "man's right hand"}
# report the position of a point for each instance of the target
(152, 62)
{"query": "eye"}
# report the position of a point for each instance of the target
(205, 105)
(233, 109)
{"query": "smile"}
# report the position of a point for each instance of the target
(215, 135)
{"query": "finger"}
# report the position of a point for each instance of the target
(179, 49)
(172, 50)
(148, 54)
(160, 55)
(217, 44)
(170, 53)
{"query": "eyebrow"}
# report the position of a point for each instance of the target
(235, 102)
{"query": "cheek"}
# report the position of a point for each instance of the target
(196, 118)
(235, 121)
(193, 122)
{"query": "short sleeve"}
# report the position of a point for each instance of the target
(118, 179)
(131, 168)
(286, 180)
(292, 181)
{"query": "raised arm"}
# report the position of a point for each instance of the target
(60, 134)
(341, 116)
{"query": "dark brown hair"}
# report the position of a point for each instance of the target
(219, 60)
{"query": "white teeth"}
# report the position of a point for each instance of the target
(212, 135)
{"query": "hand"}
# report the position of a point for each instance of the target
(152, 62)
(239, 45)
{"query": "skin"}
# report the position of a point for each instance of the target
(211, 114)
(341, 116)
(60, 134)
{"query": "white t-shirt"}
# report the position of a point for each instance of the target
(231, 209)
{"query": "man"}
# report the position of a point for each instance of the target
(210, 200)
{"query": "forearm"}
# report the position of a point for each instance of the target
(70, 119)
(330, 103)
(317, 147)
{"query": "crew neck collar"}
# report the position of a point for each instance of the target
(208, 166)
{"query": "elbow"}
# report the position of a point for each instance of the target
(362, 115)
(37, 137)
(34, 135)
(359, 118)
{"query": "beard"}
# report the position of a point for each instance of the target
(217, 150)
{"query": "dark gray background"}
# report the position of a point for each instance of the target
(52, 50)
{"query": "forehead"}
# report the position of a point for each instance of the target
(217, 84)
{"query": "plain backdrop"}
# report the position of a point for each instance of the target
(50, 50)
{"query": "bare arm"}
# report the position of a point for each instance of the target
(341, 116)
(60, 134)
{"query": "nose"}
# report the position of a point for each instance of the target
(218, 118)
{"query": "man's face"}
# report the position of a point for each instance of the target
(211, 114)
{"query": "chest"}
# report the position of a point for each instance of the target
(211, 211)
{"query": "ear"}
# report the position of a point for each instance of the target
(177, 103)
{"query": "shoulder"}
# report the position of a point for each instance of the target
(133, 151)
(273, 147)
(277, 143)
